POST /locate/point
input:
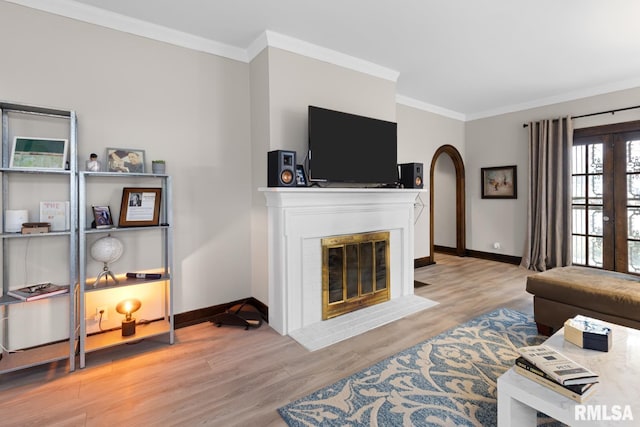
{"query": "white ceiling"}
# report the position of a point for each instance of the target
(469, 58)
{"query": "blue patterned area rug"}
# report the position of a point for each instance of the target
(447, 380)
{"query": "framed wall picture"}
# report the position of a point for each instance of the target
(301, 176)
(140, 207)
(38, 153)
(102, 217)
(499, 182)
(127, 160)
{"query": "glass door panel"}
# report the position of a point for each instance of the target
(632, 157)
(587, 203)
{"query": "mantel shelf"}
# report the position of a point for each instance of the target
(290, 197)
(316, 190)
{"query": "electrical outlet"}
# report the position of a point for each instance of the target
(105, 314)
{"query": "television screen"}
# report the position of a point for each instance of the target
(346, 148)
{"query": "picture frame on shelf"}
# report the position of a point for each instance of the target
(140, 207)
(38, 153)
(125, 160)
(301, 176)
(499, 182)
(102, 217)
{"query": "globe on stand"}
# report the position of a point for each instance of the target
(106, 250)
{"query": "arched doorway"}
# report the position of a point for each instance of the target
(456, 158)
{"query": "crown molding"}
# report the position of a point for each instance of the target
(257, 46)
(310, 50)
(420, 105)
(104, 18)
(558, 99)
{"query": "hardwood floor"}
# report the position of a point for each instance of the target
(231, 377)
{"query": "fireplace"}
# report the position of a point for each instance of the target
(297, 221)
(355, 272)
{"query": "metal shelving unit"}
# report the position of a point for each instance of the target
(157, 327)
(78, 342)
(60, 349)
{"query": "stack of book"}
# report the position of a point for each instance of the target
(551, 369)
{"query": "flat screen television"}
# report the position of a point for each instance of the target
(346, 148)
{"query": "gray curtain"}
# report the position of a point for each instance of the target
(548, 238)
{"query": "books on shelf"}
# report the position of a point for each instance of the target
(560, 368)
(578, 392)
(588, 333)
(39, 291)
(55, 213)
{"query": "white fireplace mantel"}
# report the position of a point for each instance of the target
(299, 217)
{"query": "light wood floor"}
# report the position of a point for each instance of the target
(231, 377)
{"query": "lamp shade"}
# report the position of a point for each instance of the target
(128, 306)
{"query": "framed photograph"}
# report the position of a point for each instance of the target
(140, 207)
(127, 160)
(43, 153)
(102, 217)
(499, 182)
(301, 176)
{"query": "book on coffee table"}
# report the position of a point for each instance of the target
(557, 366)
(578, 393)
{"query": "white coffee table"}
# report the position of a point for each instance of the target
(519, 398)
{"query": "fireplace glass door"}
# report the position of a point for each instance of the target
(355, 272)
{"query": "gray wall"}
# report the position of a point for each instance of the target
(420, 134)
(260, 140)
(187, 107)
(501, 141)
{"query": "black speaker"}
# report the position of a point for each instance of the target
(281, 168)
(411, 175)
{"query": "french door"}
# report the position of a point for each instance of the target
(606, 197)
